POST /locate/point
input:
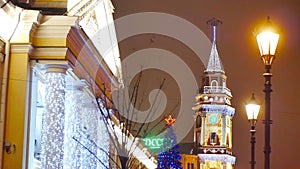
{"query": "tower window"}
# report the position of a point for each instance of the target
(214, 83)
(198, 121)
(213, 138)
(190, 166)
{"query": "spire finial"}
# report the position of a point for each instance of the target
(214, 63)
(214, 23)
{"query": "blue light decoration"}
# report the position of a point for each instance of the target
(170, 157)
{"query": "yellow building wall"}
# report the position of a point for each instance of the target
(190, 159)
(16, 108)
(215, 164)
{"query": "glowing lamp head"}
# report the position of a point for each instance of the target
(267, 40)
(252, 109)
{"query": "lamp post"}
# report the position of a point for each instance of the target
(252, 109)
(267, 41)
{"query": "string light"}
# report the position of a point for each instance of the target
(170, 156)
(73, 133)
(52, 134)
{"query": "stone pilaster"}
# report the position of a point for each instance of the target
(223, 130)
(203, 128)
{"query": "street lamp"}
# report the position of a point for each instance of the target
(267, 41)
(252, 109)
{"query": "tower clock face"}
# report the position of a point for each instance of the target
(213, 119)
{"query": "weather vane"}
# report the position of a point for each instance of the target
(214, 23)
(170, 120)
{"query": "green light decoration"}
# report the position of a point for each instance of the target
(153, 143)
(156, 143)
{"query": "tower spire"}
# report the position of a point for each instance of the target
(214, 23)
(214, 114)
(214, 62)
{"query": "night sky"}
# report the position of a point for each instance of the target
(241, 60)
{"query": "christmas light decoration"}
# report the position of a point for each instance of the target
(153, 143)
(217, 157)
(224, 109)
(87, 139)
(73, 151)
(170, 120)
(170, 157)
(73, 131)
(52, 134)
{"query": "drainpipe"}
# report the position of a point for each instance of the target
(3, 98)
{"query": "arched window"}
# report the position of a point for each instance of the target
(214, 83)
(198, 121)
(213, 137)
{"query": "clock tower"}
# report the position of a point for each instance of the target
(213, 115)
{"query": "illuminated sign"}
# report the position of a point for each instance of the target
(153, 143)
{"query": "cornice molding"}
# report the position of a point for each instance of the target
(19, 47)
(43, 66)
(47, 53)
(54, 27)
(87, 54)
(80, 8)
(55, 66)
(84, 58)
(56, 20)
(50, 31)
(84, 7)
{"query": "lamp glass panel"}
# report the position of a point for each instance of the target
(267, 42)
(252, 111)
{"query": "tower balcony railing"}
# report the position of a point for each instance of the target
(215, 150)
(216, 90)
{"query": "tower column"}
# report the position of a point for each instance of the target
(203, 128)
(223, 130)
(53, 119)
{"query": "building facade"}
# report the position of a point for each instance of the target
(55, 70)
(213, 118)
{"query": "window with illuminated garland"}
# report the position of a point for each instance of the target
(66, 126)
